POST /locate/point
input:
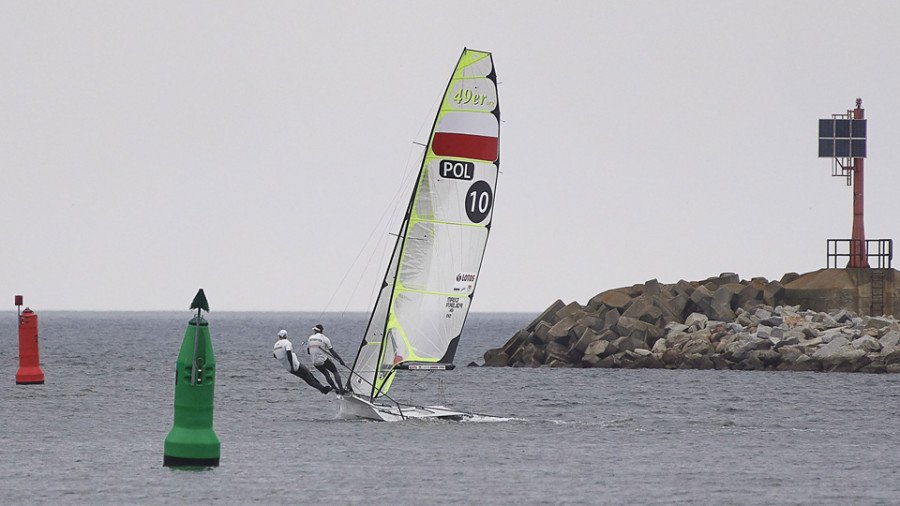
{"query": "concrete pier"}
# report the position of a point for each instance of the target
(865, 291)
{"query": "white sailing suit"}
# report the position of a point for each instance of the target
(318, 344)
(283, 350)
(319, 347)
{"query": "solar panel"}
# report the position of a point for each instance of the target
(842, 138)
(842, 128)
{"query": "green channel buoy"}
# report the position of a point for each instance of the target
(192, 442)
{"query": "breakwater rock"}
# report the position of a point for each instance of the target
(718, 323)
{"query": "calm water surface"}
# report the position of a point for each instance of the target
(94, 432)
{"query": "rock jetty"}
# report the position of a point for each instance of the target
(718, 323)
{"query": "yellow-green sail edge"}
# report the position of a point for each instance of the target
(427, 290)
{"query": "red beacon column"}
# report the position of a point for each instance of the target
(30, 372)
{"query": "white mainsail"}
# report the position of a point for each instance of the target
(428, 287)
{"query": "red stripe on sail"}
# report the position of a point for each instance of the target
(478, 147)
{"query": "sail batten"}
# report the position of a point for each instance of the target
(430, 280)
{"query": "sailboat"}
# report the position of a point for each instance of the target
(418, 317)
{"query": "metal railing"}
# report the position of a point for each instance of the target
(879, 250)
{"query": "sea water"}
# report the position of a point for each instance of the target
(94, 432)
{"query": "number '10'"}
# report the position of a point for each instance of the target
(479, 199)
(483, 201)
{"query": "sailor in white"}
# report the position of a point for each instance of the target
(284, 352)
(319, 346)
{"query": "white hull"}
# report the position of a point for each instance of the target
(357, 407)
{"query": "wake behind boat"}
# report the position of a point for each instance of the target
(427, 290)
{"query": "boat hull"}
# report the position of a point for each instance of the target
(357, 407)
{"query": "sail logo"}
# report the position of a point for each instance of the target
(465, 282)
(454, 169)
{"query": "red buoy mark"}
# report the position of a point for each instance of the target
(30, 372)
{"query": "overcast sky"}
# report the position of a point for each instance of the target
(255, 149)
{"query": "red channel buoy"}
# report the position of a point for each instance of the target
(30, 372)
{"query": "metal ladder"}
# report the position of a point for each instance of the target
(877, 308)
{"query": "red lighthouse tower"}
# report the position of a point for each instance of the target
(843, 139)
